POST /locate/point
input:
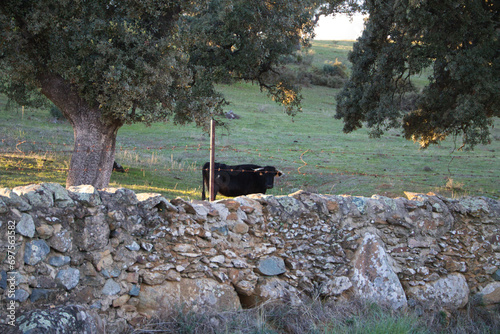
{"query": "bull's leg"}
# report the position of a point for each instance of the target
(216, 190)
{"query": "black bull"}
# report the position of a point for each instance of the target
(239, 180)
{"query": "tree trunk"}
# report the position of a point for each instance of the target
(94, 151)
(95, 137)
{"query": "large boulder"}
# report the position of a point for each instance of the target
(490, 295)
(373, 277)
(195, 294)
(274, 289)
(451, 291)
(65, 319)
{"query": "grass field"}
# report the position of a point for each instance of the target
(310, 148)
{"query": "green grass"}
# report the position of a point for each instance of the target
(310, 148)
(329, 51)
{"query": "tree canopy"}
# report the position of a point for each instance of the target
(458, 40)
(142, 61)
(106, 63)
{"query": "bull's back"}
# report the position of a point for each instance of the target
(243, 180)
(235, 180)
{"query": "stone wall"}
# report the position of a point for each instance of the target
(123, 257)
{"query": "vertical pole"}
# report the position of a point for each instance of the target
(212, 160)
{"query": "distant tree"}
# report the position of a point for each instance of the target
(106, 63)
(458, 39)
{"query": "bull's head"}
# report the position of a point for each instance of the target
(268, 173)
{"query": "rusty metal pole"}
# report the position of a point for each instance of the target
(212, 160)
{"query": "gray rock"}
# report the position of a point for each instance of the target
(496, 275)
(61, 241)
(184, 248)
(218, 259)
(43, 294)
(35, 251)
(239, 263)
(373, 277)
(475, 206)
(119, 196)
(271, 266)
(135, 290)
(335, 286)
(196, 294)
(92, 232)
(60, 195)
(147, 246)
(85, 194)
(3, 206)
(182, 204)
(36, 195)
(291, 205)
(46, 282)
(246, 288)
(3, 279)
(490, 295)
(45, 231)
(12, 199)
(19, 277)
(21, 295)
(66, 319)
(111, 288)
(240, 228)
(148, 201)
(59, 260)
(111, 272)
(153, 278)
(359, 203)
(274, 289)
(451, 291)
(222, 230)
(26, 226)
(68, 278)
(134, 246)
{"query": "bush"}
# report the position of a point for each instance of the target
(56, 112)
(301, 57)
(335, 69)
(321, 78)
(305, 57)
(332, 74)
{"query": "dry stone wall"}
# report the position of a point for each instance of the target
(124, 257)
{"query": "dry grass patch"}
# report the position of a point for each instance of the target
(315, 317)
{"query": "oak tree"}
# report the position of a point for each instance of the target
(106, 63)
(458, 41)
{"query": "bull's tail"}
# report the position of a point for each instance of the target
(203, 186)
(203, 190)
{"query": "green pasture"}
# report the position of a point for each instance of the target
(310, 148)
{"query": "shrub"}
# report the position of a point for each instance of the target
(319, 78)
(305, 57)
(56, 112)
(335, 69)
